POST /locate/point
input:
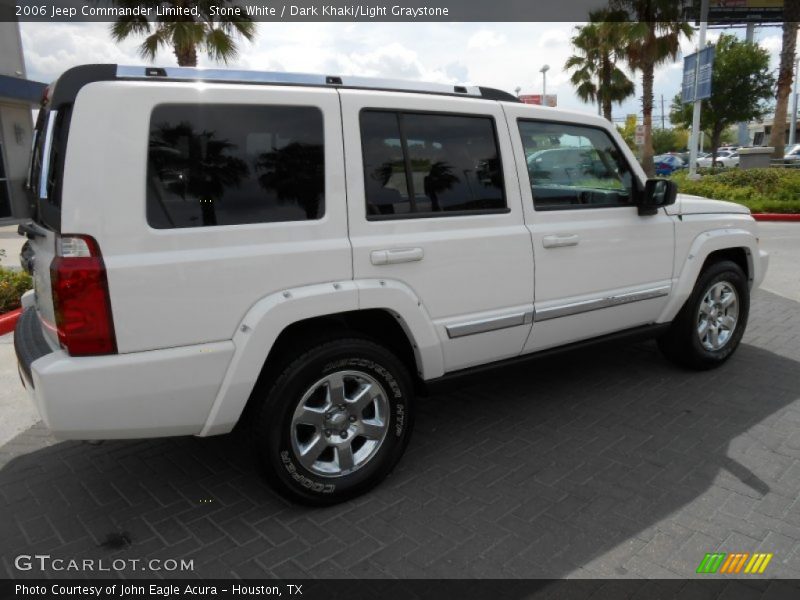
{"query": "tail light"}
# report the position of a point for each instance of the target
(80, 297)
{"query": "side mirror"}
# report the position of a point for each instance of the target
(657, 193)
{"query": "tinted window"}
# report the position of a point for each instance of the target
(384, 165)
(47, 210)
(574, 167)
(418, 164)
(228, 165)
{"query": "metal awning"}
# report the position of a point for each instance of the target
(21, 90)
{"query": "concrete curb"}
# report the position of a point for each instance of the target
(9, 320)
(776, 217)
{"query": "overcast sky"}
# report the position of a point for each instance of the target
(502, 55)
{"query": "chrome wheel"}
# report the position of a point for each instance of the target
(717, 316)
(340, 423)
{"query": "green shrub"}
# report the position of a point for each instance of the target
(761, 190)
(12, 285)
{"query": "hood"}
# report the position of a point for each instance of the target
(696, 205)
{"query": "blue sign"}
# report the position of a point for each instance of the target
(705, 58)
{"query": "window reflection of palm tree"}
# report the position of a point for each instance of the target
(195, 165)
(439, 179)
(296, 173)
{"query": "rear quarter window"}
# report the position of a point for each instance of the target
(210, 165)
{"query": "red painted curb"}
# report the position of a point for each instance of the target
(9, 320)
(776, 217)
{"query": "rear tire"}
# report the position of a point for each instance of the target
(710, 326)
(335, 423)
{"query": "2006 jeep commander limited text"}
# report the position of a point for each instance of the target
(315, 249)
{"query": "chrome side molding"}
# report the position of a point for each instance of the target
(575, 308)
(492, 324)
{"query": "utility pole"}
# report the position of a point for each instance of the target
(697, 103)
(662, 111)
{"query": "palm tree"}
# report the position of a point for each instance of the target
(185, 33)
(653, 39)
(599, 44)
(791, 16)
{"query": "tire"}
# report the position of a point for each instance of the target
(304, 414)
(704, 340)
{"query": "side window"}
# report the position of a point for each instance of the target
(213, 165)
(384, 165)
(426, 164)
(571, 166)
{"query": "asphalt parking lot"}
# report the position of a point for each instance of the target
(591, 464)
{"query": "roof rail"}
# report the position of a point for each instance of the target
(278, 78)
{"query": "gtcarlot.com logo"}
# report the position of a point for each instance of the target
(45, 562)
(735, 563)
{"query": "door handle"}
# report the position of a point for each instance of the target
(560, 241)
(396, 255)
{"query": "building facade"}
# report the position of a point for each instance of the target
(17, 97)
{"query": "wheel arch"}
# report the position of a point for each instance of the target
(737, 245)
(740, 255)
(276, 327)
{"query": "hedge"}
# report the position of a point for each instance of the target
(761, 190)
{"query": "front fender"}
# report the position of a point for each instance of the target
(265, 321)
(702, 246)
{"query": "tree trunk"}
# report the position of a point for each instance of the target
(604, 91)
(777, 137)
(647, 120)
(187, 56)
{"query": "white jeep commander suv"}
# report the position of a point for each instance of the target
(316, 250)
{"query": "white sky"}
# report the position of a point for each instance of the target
(502, 55)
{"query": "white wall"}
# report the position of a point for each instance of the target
(11, 61)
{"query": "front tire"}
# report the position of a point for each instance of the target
(335, 422)
(710, 326)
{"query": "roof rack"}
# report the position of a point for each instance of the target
(71, 81)
(305, 79)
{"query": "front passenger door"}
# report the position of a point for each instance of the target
(600, 266)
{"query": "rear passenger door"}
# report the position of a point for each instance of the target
(434, 203)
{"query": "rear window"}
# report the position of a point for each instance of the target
(212, 165)
(47, 165)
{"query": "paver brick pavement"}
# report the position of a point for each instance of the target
(597, 463)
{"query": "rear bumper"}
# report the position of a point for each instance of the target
(156, 393)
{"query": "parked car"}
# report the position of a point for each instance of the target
(303, 255)
(684, 156)
(792, 154)
(667, 164)
(725, 158)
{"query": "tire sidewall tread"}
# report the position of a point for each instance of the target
(270, 431)
(681, 343)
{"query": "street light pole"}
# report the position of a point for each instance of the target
(544, 71)
(697, 103)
